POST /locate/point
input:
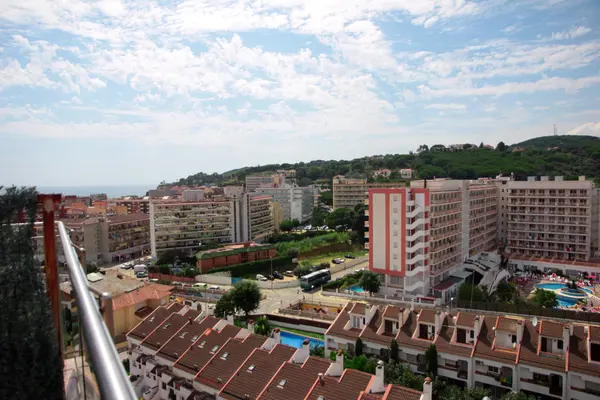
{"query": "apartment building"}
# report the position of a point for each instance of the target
(419, 236)
(297, 202)
(545, 358)
(348, 192)
(263, 180)
(180, 353)
(181, 225)
(134, 206)
(551, 219)
(125, 237)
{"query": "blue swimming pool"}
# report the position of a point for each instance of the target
(565, 299)
(293, 340)
(356, 289)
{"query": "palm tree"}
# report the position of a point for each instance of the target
(370, 282)
(262, 326)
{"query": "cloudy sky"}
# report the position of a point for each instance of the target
(126, 92)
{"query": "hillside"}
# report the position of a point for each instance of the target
(569, 156)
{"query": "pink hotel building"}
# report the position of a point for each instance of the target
(419, 236)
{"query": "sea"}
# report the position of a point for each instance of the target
(110, 191)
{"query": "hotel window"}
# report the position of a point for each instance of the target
(559, 344)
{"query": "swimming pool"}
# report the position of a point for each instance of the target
(293, 340)
(356, 289)
(565, 299)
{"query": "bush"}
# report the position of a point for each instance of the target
(239, 270)
(165, 269)
(301, 270)
(293, 252)
(308, 244)
(126, 365)
(133, 378)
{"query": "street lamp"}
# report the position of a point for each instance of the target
(313, 294)
(451, 300)
(271, 258)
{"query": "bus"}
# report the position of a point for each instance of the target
(315, 279)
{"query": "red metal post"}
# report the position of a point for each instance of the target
(49, 204)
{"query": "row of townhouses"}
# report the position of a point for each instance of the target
(178, 353)
(552, 360)
(420, 236)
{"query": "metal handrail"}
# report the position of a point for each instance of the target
(111, 377)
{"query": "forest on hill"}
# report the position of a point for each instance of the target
(567, 155)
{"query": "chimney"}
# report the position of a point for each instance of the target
(477, 324)
(277, 335)
(438, 322)
(566, 337)
(302, 353)
(251, 325)
(378, 386)
(427, 389)
(321, 380)
(336, 368)
(190, 320)
(230, 319)
(519, 331)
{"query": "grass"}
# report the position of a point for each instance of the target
(302, 333)
(327, 257)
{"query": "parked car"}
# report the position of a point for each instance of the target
(277, 275)
(260, 277)
(350, 256)
(141, 275)
(127, 266)
(270, 277)
(154, 280)
(198, 285)
(288, 273)
(324, 227)
(336, 261)
(214, 287)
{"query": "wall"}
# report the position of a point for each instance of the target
(167, 277)
(214, 279)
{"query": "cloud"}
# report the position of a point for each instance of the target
(590, 128)
(451, 106)
(541, 108)
(571, 34)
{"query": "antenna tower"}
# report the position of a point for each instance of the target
(555, 130)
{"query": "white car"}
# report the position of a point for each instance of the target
(260, 277)
(198, 285)
(288, 273)
(214, 287)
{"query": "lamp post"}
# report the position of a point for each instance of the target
(312, 289)
(271, 258)
(451, 300)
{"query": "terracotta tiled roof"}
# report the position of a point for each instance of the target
(147, 326)
(404, 336)
(392, 312)
(551, 329)
(357, 308)
(254, 374)
(337, 328)
(595, 333)
(398, 392)
(529, 351)
(484, 347)
(427, 316)
(578, 353)
(293, 381)
(165, 331)
(198, 355)
(508, 325)
(349, 386)
(152, 291)
(466, 320)
(444, 342)
(185, 338)
(370, 331)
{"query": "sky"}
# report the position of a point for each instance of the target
(116, 92)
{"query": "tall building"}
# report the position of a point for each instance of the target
(348, 192)
(135, 206)
(297, 202)
(419, 236)
(179, 225)
(125, 237)
(551, 219)
(255, 181)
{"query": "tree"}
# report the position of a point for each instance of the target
(361, 363)
(317, 351)
(225, 306)
(340, 217)
(358, 347)
(295, 222)
(452, 392)
(301, 270)
(394, 350)
(501, 147)
(431, 361)
(370, 282)
(28, 341)
(544, 298)
(468, 291)
(286, 225)
(165, 269)
(246, 296)
(397, 373)
(262, 326)
(358, 224)
(318, 216)
(327, 197)
(506, 291)
(518, 396)
(293, 252)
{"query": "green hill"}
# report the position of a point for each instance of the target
(569, 156)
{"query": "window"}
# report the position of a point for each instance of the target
(472, 334)
(493, 370)
(559, 344)
(164, 386)
(224, 356)
(202, 343)
(214, 349)
(195, 338)
(513, 338)
(251, 368)
(281, 383)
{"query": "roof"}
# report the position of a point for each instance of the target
(152, 291)
(529, 351)
(337, 328)
(233, 249)
(185, 338)
(163, 333)
(293, 381)
(427, 316)
(508, 325)
(194, 359)
(392, 312)
(405, 333)
(147, 326)
(448, 283)
(254, 374)
(551, 329)
(485, 344)
(119, 219)
(466, 320)
(594, 333)
(398, 392)
(110, 283)
(349, 386)
(357, 308)
(225, 362)
(444, 343)
(370, 330)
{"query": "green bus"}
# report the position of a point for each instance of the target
(315, 279)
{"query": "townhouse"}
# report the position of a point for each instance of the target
(553, 360)
(179, 353)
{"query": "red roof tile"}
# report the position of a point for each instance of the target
(347, 387)
(293, 381)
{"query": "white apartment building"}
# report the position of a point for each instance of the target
(348, 192)
(253, 214)
(180, 225)
(297, 202)
(419, 236)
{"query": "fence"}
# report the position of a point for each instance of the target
(168, 277)
(552, 313)
(384, 299)
(307, 314)
(298, 323)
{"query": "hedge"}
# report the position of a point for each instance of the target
(240, 270)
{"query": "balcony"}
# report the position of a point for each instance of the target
(93, 370)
